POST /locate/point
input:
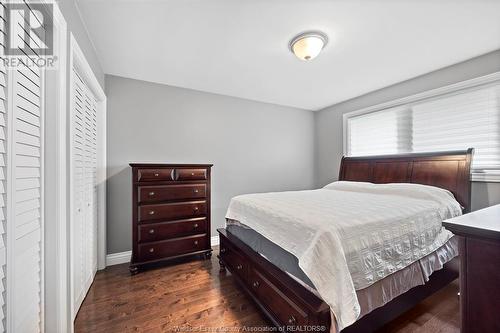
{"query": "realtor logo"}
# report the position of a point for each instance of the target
(28, 28)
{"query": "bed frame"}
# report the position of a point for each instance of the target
(289, 305)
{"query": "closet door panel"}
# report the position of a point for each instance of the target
(21, 188)
(27, 200)
(78, 228)
(89, 239)
(94, 182)
(3, 181)
(3, 187)
(84, 190)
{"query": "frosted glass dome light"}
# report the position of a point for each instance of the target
(306, 46)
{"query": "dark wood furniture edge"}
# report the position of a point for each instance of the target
(479, 270)
(133, 267)
(159, 165)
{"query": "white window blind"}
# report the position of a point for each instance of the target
(468, 119)
(460, 120)
(384, 132)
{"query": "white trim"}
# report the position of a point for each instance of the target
(118, 258)
(489, 177)
(56, 236)
(78, 61)
(478, 81)
(124, 257)
(452, 88)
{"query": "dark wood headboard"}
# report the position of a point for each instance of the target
(449, 170)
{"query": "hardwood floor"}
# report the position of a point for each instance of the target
(194, 297)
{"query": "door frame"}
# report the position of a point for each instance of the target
(77, 60)
(56, 244)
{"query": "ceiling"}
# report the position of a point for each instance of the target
(240, 48)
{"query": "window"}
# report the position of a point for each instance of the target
(454, 120)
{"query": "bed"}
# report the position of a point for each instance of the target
(284, 291)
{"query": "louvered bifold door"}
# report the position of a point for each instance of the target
(84, 226)
(25, 198)
(3, 174)
(91, 182)
(78, 228)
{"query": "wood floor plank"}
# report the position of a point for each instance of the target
(194, 295)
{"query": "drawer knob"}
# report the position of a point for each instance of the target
(256, 284)
(151, 194)
(195, 242)
(292, 320)
(192, 173)
(151, 250)
(196, 208)
(240, 266)
(222, 250)
(151, 231)
(196, 190)
(195, 225)
(151, 212)
(157, 174)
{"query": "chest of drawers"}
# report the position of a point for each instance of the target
(170, 212)
(479, 233)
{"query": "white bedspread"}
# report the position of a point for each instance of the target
(349, 235)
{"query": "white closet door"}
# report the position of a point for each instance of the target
(84, 229)
(27, 201)
(91, 182)
(25, 244)
(78, 231)
(21, 187)
(3, 180)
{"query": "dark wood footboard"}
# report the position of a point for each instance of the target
(281, 298)
(288, 304)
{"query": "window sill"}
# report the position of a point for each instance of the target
(487, 177)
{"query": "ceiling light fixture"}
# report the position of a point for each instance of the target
(307, 45)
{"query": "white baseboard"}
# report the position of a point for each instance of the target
(118, 258)
(124, 257)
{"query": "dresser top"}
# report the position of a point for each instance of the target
(163, 165)
(481, 223)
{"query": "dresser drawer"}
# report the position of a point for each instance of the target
(147, 175)
(275, 300)
(159, 231)
(172, 247)
(171, 192)
(235, 262)
(191, 174)
(171, 211)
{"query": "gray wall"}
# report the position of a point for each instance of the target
(76, 26)
(255, 147)
(328, 128)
